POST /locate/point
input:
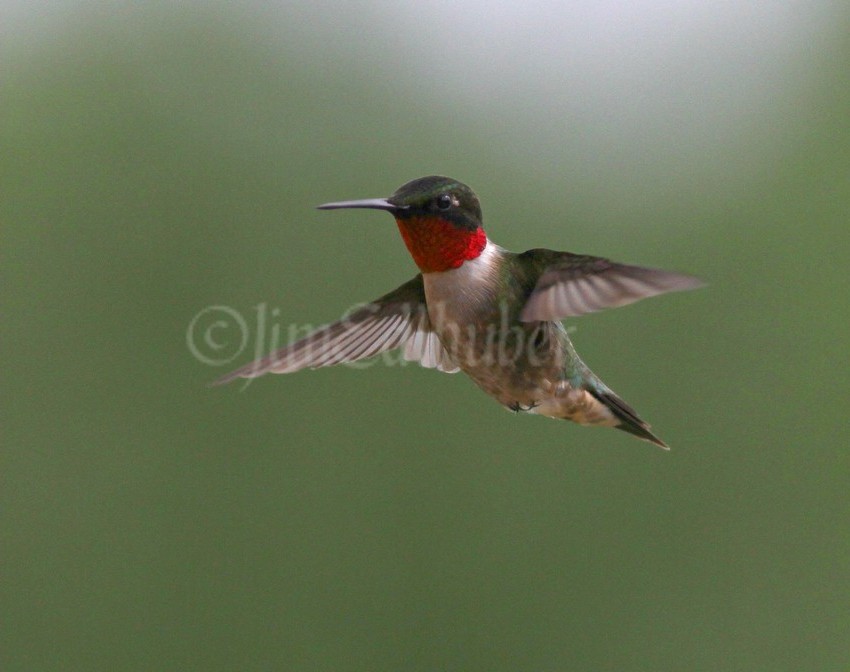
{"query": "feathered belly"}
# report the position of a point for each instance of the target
(518, 364)
(525, 367)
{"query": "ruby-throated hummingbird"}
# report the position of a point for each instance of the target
(478, 308)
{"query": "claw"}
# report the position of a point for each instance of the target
(517, 407)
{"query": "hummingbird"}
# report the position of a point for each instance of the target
(481, 309)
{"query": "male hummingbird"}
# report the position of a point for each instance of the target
(478, 308)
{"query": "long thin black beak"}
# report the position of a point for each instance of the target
(373, 203)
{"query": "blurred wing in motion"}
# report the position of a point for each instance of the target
(574, 284)
(397, 319)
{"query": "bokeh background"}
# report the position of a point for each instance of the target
(160, 158)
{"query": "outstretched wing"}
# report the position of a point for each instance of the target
(397, 319)
(573, 284)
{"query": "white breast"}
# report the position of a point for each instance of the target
(467, 284)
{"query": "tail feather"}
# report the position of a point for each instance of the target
(628, 417)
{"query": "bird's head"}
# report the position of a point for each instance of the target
(439, 219)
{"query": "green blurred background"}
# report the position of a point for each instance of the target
(159, 159)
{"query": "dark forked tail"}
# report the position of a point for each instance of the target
(629, 420)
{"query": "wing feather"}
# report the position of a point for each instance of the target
(398, 319)
(574, 285)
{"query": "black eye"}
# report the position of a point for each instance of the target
(444, 201)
